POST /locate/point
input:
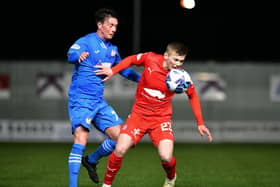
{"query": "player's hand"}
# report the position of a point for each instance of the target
(182, 87)
(104, 70)
(83, 56)
(203, 129)
(186, 85)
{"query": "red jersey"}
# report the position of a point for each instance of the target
(152, 97)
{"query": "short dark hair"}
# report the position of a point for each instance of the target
(179, 47)
(103, 13)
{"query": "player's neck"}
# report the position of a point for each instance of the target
(164, 65)
(100, 34)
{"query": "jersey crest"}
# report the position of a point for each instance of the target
(113, 53)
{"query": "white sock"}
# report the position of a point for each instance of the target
(106, 185)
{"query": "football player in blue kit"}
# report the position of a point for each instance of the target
(86, 104)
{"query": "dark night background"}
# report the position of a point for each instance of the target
(223, 31)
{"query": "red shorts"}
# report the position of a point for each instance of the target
(158, 128)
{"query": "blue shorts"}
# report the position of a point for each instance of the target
(87, 112)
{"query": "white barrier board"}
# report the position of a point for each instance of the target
(185, 131)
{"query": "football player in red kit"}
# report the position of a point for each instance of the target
(152, 109)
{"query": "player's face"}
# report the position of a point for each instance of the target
(107, 29)
(173, 60)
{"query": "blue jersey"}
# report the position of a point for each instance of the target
(85, 83)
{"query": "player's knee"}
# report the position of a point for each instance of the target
(113, 132)
(81, 136)
(166, 157)
(120, 151)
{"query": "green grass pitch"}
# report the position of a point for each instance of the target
(198, 165)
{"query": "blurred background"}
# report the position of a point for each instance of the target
(233, 60)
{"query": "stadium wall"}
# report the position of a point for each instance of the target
(240, 101)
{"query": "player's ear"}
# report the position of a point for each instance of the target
(99, 25)
(165, 55)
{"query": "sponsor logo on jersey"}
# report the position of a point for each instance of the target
(106, 64)
(155, 93)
